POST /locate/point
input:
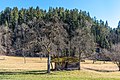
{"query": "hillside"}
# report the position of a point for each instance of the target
(25, 30)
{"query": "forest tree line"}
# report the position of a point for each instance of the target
(58, 31)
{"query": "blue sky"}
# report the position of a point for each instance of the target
(103, 9)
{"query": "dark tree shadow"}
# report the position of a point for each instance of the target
(100, 70)
(35, 72)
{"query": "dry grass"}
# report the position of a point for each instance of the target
(18, 63)
(100, 66)
(10, 62)
(13, 68)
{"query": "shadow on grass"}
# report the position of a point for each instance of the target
(101, 70)
(36, 72)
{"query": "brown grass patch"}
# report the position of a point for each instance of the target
(10, 62)
(18, 63)
(99, 66)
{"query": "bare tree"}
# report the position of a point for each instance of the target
(28, 39)
(51, 35)
(114, 54)
(84, 43)
(24, 38)
(5, 39)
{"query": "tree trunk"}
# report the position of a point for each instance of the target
(79, 62)
(119, 65)
(103, 62)
(94, 61)
(24, 57)
(48, 67)
(70, 48)
(40, 57)
(58, 50)
(66, 65)
(51, 65)
(79, 59)
(119, 68)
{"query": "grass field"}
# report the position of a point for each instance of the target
(13, 68)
